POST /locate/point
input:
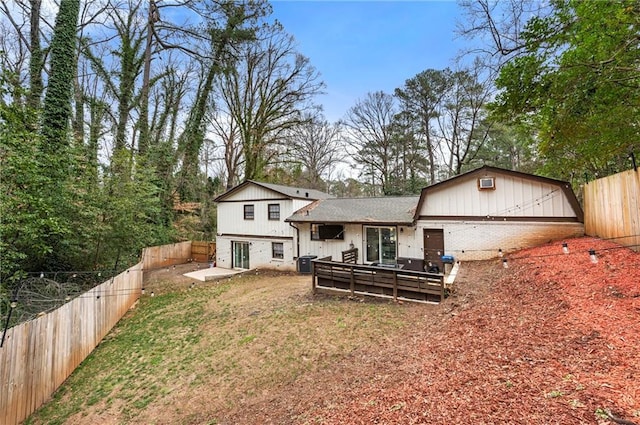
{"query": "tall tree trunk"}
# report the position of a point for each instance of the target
(78, 121)
(36, 62)
(143, 122)
(57, 101)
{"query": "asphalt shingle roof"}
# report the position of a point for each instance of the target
(384, 210)
(288, 191)
(294, 192)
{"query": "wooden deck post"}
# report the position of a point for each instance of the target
(313, 278)
(395, 285)
(352, 283)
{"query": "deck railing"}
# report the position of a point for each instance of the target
(389, 282)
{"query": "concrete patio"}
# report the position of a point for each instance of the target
(212, 273)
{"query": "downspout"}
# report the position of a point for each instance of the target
(297, 241)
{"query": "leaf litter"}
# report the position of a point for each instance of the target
(552, 339)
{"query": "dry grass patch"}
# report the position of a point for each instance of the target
(190, 355)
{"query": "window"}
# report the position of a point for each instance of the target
(274, 211)
(248, 212)
(277, 250)
(486, 183)
(320, 232)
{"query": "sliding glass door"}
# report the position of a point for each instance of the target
(241, 255)
(381, 245)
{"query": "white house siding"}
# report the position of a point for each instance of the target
(512, 197)
(259, 253)
(353, 234)
(297, 204)
(464, 240)
(259, 232)
(231, 219)
(480, 240)
(252, 192)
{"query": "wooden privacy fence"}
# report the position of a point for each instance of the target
(177, 253)
(37, 356)
(203, 251)
(612, 208)
(331, 277)
(166, 255)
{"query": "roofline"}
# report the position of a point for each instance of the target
(377, 223)
(262, 185)
(565, 186)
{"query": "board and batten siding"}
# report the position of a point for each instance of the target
(260, 253)
(253, 192)
(231, 219)
(260, 232)
(512, 197)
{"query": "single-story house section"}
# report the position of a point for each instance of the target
(252, 232)
(472, 216)
(380, 228)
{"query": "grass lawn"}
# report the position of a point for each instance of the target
(207, 347)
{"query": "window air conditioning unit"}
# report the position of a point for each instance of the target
(486, 183)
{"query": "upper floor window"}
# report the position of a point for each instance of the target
(274, 211)
(248, 212)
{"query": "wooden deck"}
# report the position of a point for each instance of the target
(396, 283)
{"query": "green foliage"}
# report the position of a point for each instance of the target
(28, 220)
(57, 102)
(507, 146)
(72, 221)
(130, 215)
(578, 85)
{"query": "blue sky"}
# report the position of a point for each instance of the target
(366, 46)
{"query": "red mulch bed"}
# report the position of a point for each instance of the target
(554, 340)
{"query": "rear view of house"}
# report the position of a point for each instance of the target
(472, 216)
(252, 232)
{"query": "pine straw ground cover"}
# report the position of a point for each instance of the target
(555, 340)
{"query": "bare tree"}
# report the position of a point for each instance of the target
(317, 145)
(227, 132)
(369, 134)
(497, 28)
(265, 95)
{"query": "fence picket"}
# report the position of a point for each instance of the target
(612, 208)
(39, 355)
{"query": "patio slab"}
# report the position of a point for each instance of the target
(211, 273)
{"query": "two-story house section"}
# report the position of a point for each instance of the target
(252, 232)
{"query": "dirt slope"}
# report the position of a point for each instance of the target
(553, 339)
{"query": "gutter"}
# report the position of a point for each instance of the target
(297, 241)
